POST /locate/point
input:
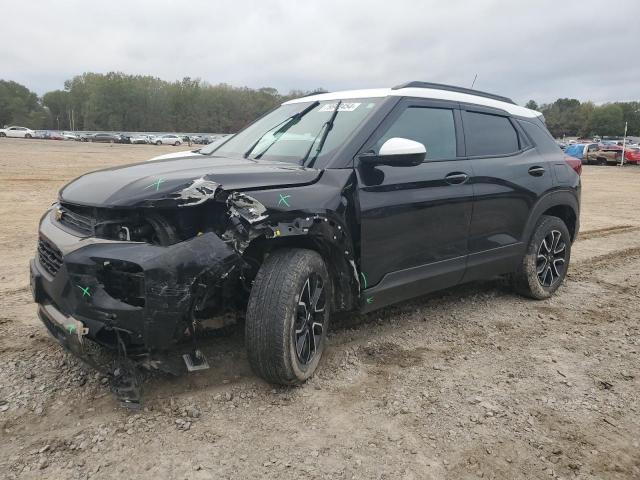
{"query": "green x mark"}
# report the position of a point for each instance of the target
(156, 184)
(72, 328)
(364, 280)
(85, 291)
(369, 300)
(284, 200)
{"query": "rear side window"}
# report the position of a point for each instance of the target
(542, 138)
(487, 134)
(433, 127)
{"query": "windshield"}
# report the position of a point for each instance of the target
(275, 138)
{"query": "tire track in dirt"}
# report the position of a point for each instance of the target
(612, 259)
(605, 232)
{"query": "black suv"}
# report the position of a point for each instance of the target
(345, 201)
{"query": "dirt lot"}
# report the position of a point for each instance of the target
(473, 382)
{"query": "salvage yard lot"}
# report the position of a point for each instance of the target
(468, 383)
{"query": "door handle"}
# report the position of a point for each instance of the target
(456, 178)
(536, 171)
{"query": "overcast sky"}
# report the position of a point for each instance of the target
(535, 49)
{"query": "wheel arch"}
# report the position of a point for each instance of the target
(561, 204)
(326, 237)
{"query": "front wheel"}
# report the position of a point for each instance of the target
(158, 142)
(2, 134)
(288, 316)
(177, 144)
(546, 261)
(28, 135)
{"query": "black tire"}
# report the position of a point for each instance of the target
(177, 144)
(545, 263)
(276, 319)
(158, 143)
(28, 135)
(2, 134)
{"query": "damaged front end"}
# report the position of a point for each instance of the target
(144, 279)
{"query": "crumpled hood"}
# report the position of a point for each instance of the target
(148, 182)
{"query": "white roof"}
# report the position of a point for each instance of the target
(431, 93)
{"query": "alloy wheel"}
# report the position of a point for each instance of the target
(551, 259)
(308, 326)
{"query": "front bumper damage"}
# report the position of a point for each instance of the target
(135, 298)
(148, 299)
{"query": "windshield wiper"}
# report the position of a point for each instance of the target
(324, 131)
(281, 127)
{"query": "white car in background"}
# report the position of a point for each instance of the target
(17, 132)
(70, 136)
(204, 151)
(169, 139)
(141, 138)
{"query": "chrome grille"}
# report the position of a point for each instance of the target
(49, 256)
(77, 218)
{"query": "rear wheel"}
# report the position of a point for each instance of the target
(288, 316)
(158, 142)
(2, 134)
(545, 263)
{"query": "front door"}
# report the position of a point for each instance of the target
(15, 132)
(415, 220)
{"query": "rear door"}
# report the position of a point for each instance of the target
(415, 220)
(509, 176)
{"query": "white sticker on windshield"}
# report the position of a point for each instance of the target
(344, 107)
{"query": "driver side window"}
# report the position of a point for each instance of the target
(433, 127)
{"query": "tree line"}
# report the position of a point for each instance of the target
(121, 102)
(569, 117)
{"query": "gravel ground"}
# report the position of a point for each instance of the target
(473, 382)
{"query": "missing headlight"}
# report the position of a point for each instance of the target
(123, 281)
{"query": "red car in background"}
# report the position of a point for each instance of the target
(632, 155)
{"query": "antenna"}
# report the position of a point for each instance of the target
(474, 80)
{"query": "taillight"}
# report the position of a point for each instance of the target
(574, 163)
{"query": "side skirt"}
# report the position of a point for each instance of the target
(412, 282)
(496, 261)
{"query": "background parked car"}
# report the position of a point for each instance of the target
(69, 136)
(101, 137)
(579, 150)
(605, 154)
(140, 138)
(169, 139)
(632, 155)
(17, 132)
(56, 136)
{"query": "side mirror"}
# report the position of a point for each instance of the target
(397, 151)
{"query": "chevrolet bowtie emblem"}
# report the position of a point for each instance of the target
(58, 213)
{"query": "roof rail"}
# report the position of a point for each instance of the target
(451, 88)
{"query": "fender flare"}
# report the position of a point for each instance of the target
(558, 198)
